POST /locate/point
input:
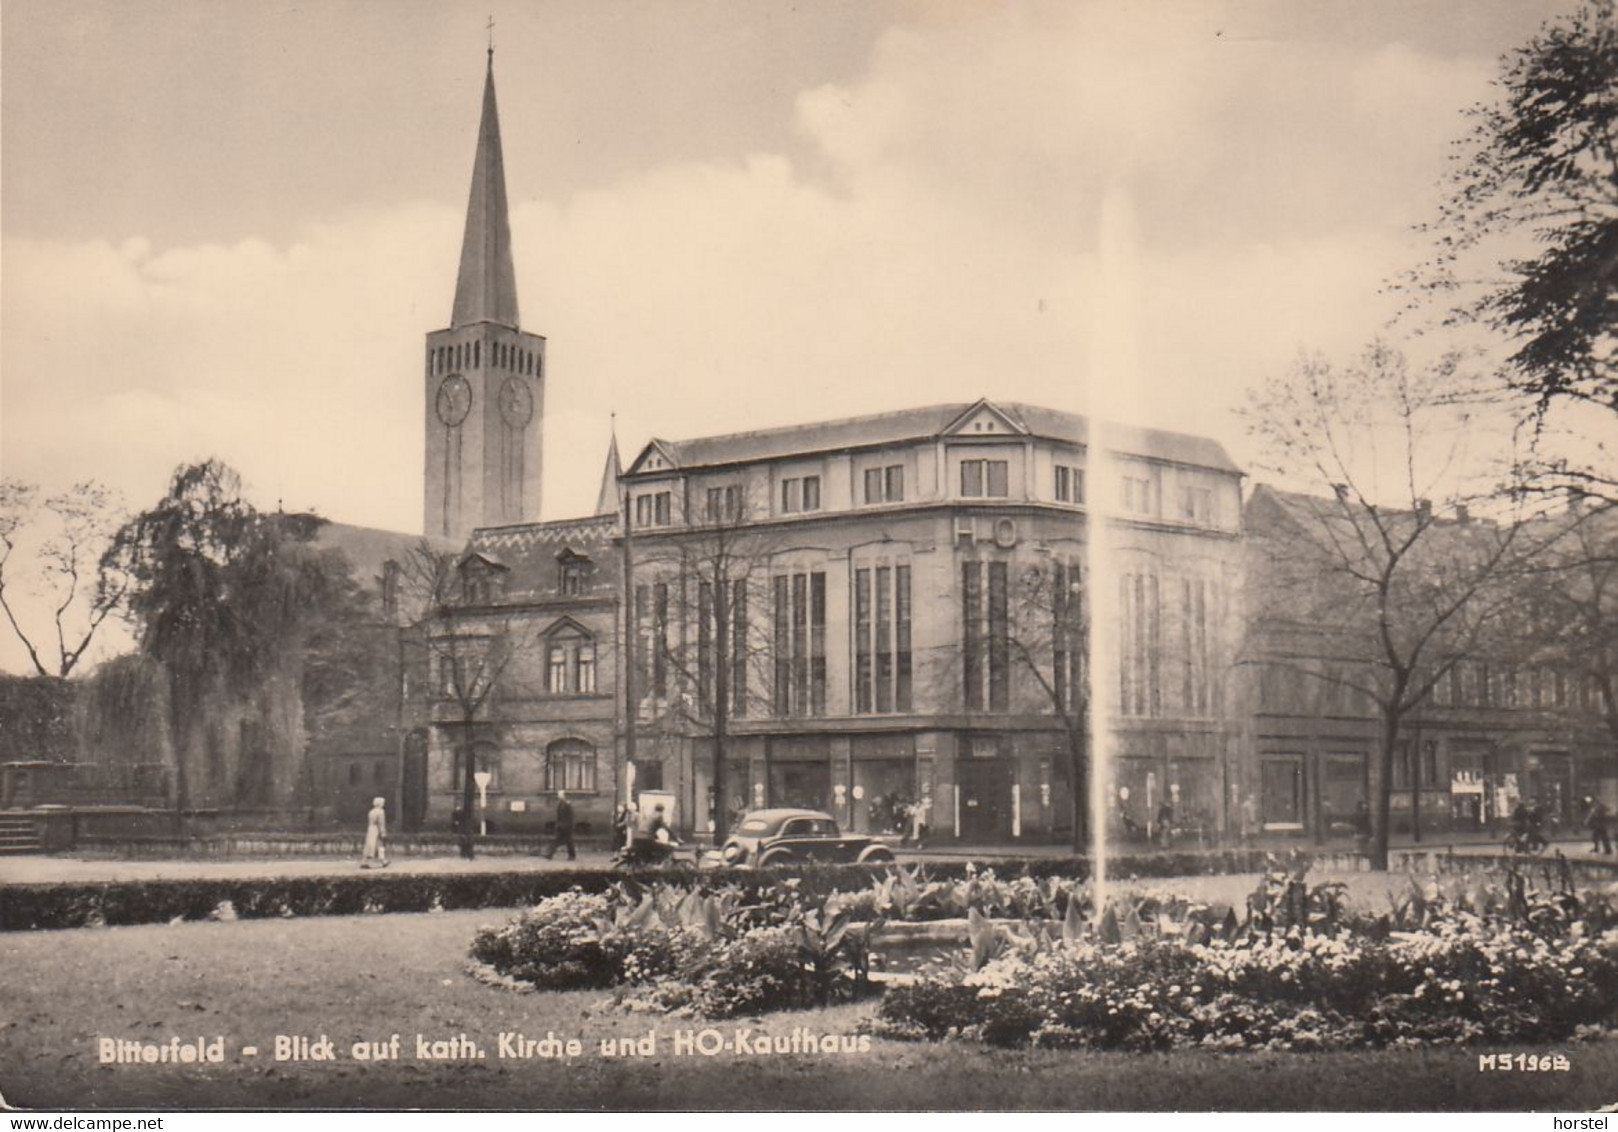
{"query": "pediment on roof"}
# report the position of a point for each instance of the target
(985, 418)
(566, 627)
(655, 457)
(567, 555)
(474, 559)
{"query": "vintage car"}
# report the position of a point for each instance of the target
(770, 837)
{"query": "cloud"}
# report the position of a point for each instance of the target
(1056, 203)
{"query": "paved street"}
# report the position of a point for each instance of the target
(21, 870)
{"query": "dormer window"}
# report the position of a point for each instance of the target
(573, 572)
(483, 580)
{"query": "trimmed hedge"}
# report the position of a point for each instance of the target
(25, 907)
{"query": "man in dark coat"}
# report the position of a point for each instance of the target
(1600, 822)
(564, 827)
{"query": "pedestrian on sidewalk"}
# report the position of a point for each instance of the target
(564, 828)
(1599, 820)
(1249, 819)
(375, 854)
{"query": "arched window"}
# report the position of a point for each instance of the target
(570, 764)
(477, 355)
(570, 663)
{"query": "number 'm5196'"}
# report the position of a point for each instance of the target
(1524, 1062)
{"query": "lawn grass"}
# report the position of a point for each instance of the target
(367, 977)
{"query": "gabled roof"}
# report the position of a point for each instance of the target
(928, 423)
(486, 285)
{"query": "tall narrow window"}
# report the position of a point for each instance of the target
(556, 680)
(783, 644)
(999, 639)
(1067, 603)
(800, 644)
(882, 662)
(901, 605)
(705, 659)
(586, 669)
(884, 639)
(862, 641)
(817, 644)
(660, 644)
(643, 640)
(738, 647)
(972, 633)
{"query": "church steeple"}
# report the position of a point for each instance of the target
(484, 376)
(608, 500)
(486, 288)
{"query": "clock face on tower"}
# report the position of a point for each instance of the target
(454, 400)
(516, 403)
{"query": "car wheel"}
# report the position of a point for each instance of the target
(774, 857)
(876, 857)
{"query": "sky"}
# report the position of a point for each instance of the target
(226, 228)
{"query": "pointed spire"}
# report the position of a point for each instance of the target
(486, 288)
(607, 502)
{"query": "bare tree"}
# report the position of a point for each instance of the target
(1388, 593)
(81, 588)
(470, 642)
(1566, 615)
(1048, 640)
(708, 651)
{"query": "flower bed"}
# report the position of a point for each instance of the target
(1463, 981)
(1483, 957)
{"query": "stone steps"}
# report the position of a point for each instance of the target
(19, 836)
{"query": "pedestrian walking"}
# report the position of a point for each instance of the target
(1362, 827)
(375, 854)
(1599, 819)
(1249, 819)
(1165, 824)
(564, 828)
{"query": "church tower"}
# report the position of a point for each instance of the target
(485, 376)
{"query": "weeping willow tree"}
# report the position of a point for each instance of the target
(225, 599)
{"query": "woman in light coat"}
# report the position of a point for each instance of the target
(376, 832)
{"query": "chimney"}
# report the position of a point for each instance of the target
(1463, 513)
(1424, 509)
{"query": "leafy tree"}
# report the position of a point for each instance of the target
(1527, 240)
(223, 595)
(72, 528)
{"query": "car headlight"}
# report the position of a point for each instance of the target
(733, 853)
